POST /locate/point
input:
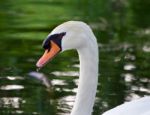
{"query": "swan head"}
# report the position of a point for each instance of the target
(69, 35)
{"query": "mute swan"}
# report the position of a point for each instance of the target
(78, 35)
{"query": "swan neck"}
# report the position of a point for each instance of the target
(87, 81)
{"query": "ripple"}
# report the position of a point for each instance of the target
(66, 103)
(130, 57)
(13, 101)
(132, 96)
(14, 78)
(134, 89)
(129, 66)
(12, 87)
(69, 100)
(145, 80)
(19, 111)
(146, 48)
(143, 89)
(58, 82)
(68, 73)
(76, 65)
(117, 59)
(128, 77)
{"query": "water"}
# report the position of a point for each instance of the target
(124, 55)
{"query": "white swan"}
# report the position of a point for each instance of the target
(78, 35)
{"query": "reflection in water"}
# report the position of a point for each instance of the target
(58, 82)
(68, 73)
(143, 32)
(117, 59)
(132, 96)
(66, 103)
(14, 102)
(141, 89)
(124, 51)
(41, 77)
(11, 78)
(14, 78)
(128, 77)
(146, 48)
(129, 56)
(12, 87)
(145, 80)
(31, 94)
(129, 66)
(76, 65)
(19, 112)
(134, 92)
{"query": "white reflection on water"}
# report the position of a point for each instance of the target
(15, 102)
(132, 96)
(143, 32)
(19, 111)
(35, 113)
(65, 104)
(12, 87)
(74, 89)
(141, 89)
(146, 48)
(61, 82)
(67, 73)
(145, 80)
(69, 100)
(117, 59)
(135, 88)
(129, 56)
(128, 77)
(58, 82)
(129, 66)
(14, 78)
(76, 65)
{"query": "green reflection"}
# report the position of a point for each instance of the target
(122, 30)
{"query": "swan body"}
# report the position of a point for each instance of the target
(78, 35)
(137, 107)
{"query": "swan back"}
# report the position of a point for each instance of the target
(136, 107)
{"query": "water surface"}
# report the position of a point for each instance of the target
(124, 49)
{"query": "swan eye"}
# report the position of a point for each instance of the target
(56, 38)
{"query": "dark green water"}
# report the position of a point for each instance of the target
(122, 30)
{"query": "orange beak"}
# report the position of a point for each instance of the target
(48, 55)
